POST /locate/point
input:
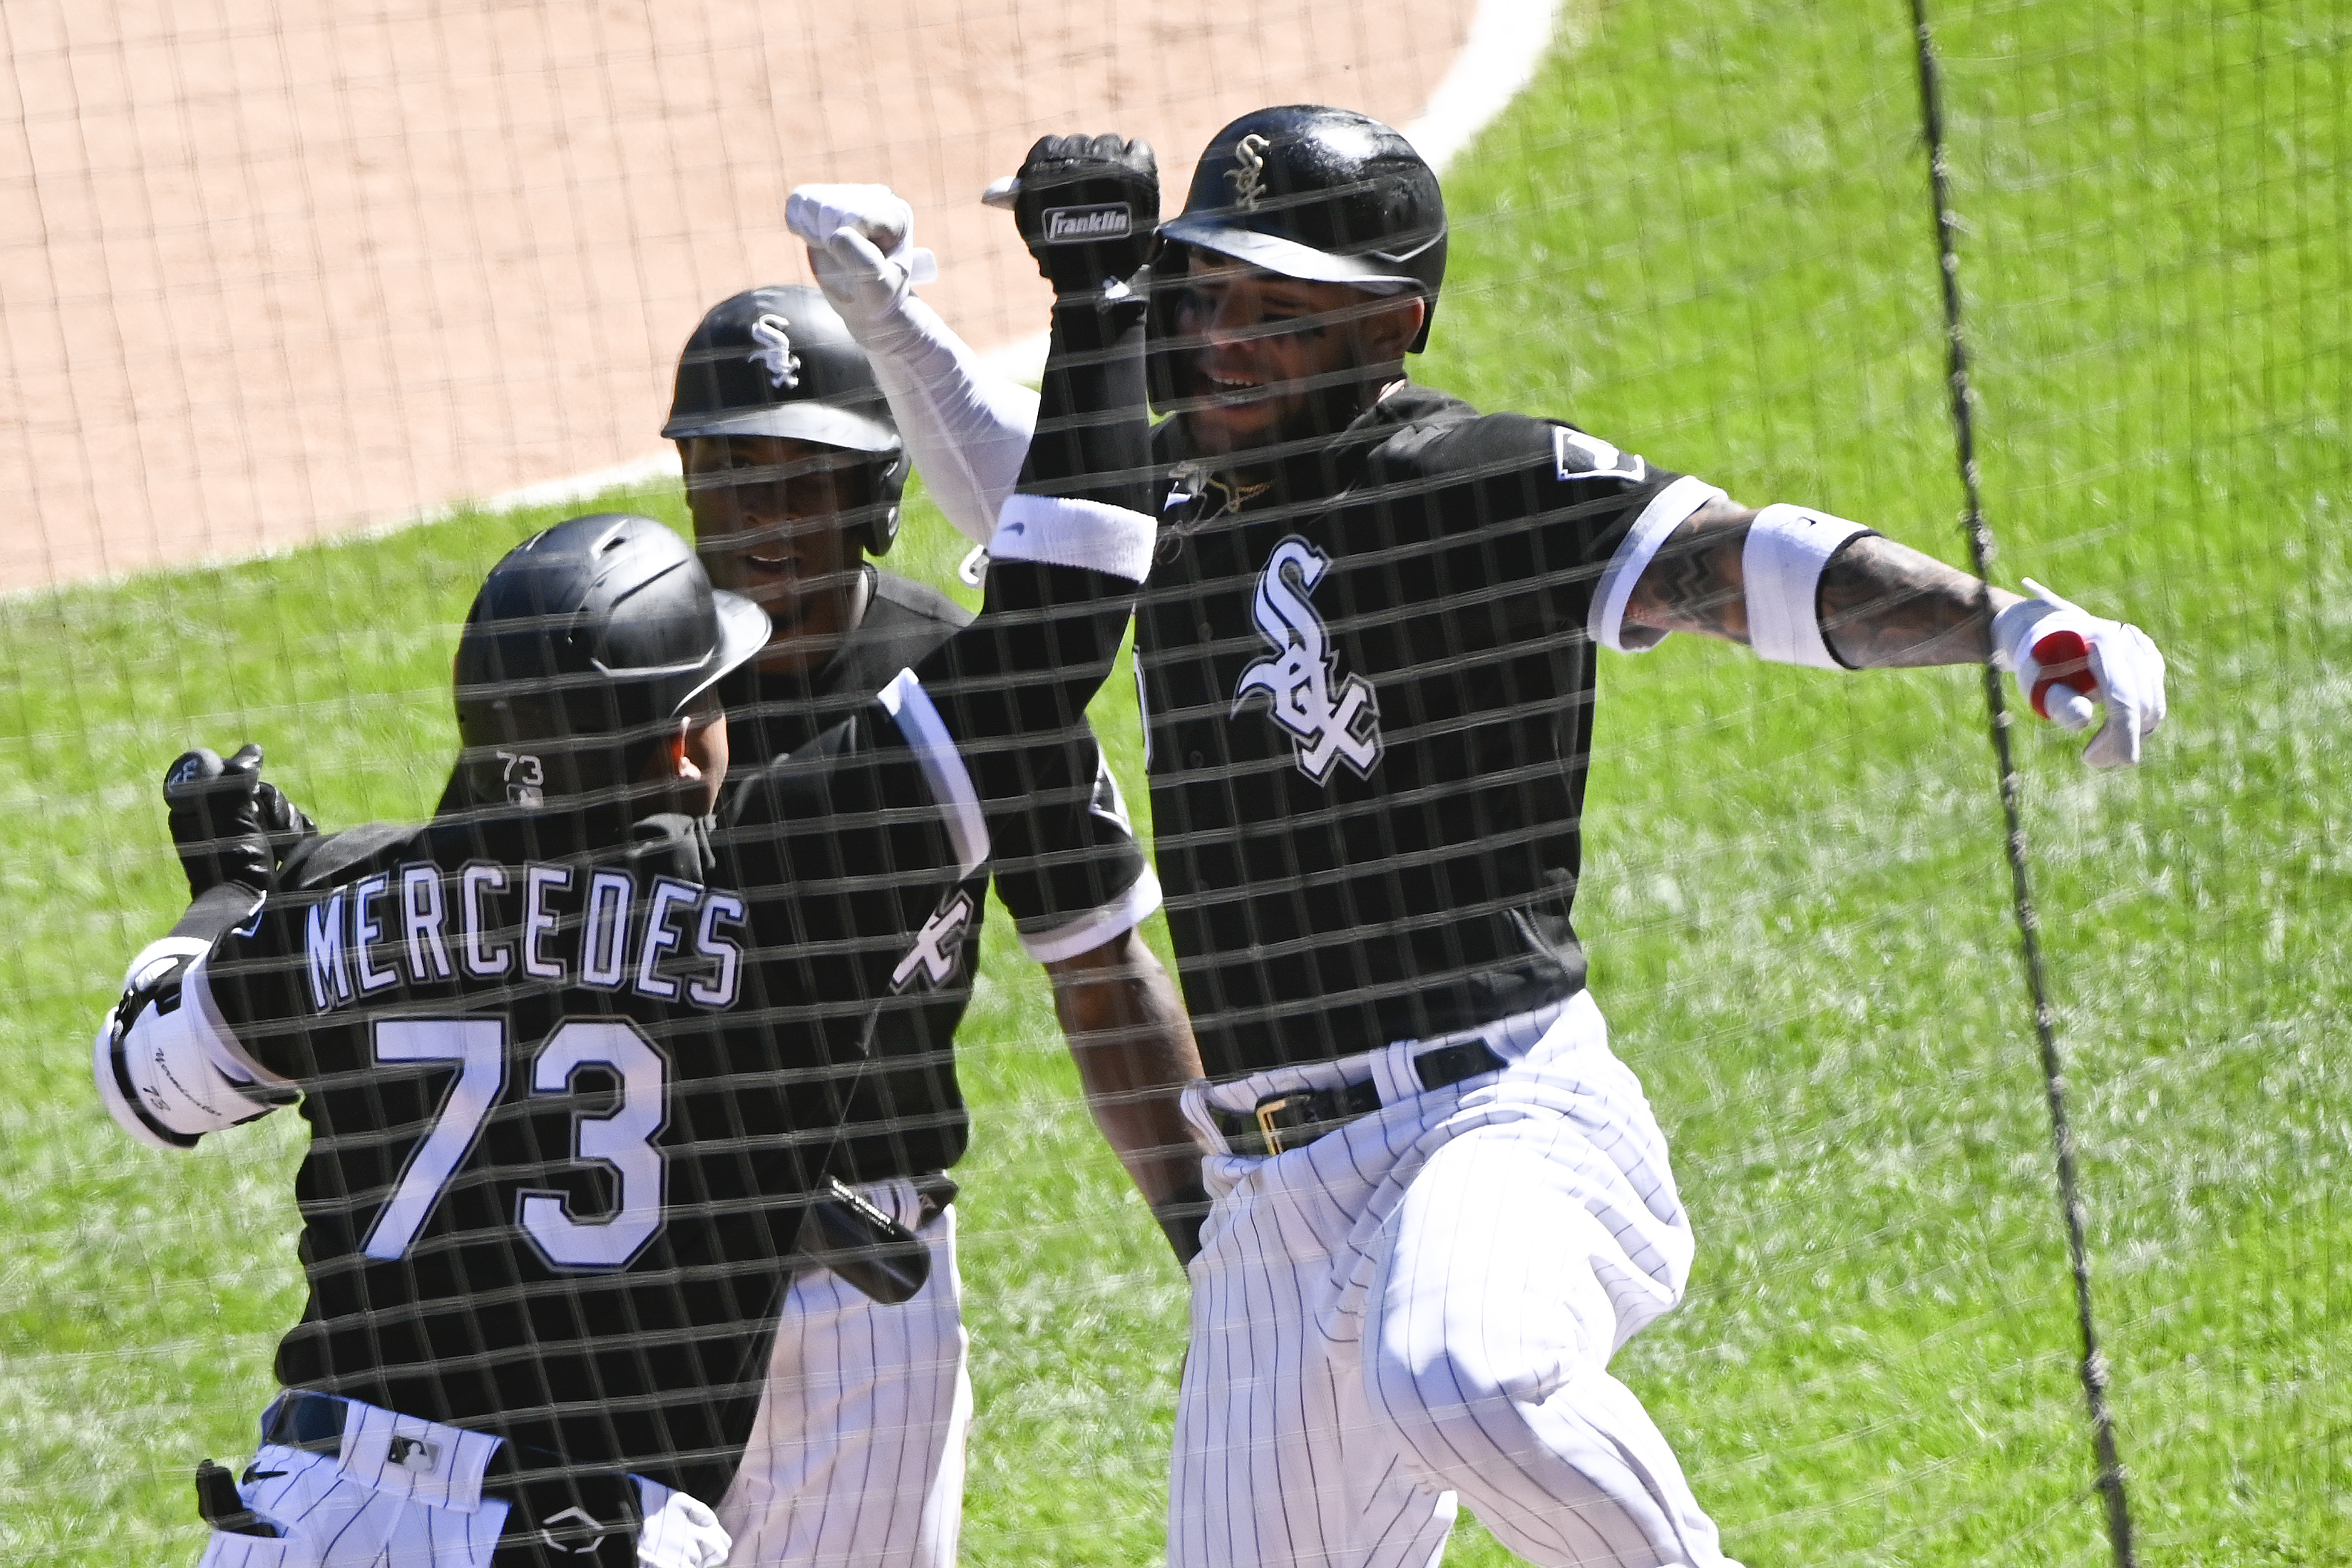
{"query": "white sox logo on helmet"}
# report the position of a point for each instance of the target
(1249, 180)
(1326, 729)
(774, 354)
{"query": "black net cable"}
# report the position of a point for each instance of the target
(2093, 1363)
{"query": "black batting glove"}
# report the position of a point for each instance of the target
(1088, 207)
(228, 824)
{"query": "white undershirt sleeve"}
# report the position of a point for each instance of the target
(966, 427)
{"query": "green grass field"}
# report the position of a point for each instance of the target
(1703, 233)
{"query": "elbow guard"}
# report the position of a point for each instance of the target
(167, 1072)
(1788, 549)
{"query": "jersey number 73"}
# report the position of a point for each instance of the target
(622, 1141)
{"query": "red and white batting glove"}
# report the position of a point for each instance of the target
(817, 213)
(2068, 660)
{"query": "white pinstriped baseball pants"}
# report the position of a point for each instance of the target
(857, 1458)
(1420, 1308)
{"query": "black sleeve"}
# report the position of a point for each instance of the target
(1560, 511)
(1064, 567)
(1068, 867)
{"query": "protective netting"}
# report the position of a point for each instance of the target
(273, 278)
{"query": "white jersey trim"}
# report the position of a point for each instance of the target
(935, 751)
(1097, 926)
(1667, 510)
(1062, 531)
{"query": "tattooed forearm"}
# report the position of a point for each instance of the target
(1692, 583)
(1883, 605)
(1886, 605)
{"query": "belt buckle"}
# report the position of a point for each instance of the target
(1268, 1110)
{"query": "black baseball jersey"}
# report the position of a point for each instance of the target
(564, 1101)
(568, 1076)
(1069, 870)
(1368, 689)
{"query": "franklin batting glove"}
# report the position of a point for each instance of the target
(2067, 660)
(228, 824)
(1088, 207)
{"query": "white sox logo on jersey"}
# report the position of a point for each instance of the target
(1296, 680)
(937, 946)
(774, 354)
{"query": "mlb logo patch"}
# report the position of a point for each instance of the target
(1072, 225)
(1577, 455)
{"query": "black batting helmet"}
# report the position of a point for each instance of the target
(1323, 194)
(584, 645)
(779, 361)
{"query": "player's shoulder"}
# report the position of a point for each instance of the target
(1447, 437)
(329, 859)
(902, 600)
(904, 621)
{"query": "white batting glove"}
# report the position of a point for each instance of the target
(867, 287)
(817, 213)
(2067, 660)
(679, 1530)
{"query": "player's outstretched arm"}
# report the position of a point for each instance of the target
(966, 427)
(1133, 1043)
(168, 1068)
(1802, 587)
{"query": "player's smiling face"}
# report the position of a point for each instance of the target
(1268, 345)
(773, 520)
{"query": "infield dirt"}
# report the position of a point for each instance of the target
(269, 270)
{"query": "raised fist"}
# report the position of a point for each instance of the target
(818, 212)
(228, 824)
(1088, 207)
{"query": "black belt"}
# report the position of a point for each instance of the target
(1296, 1118)
(301, 1419)
(313, 1422)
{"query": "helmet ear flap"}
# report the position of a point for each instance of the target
(880, 529)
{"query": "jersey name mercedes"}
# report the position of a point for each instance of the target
(679, 940)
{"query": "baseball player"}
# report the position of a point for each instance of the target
(1367, 663)
(569, 1062)
(794, 472)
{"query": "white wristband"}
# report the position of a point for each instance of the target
(1788, 548)
(1062, 531)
